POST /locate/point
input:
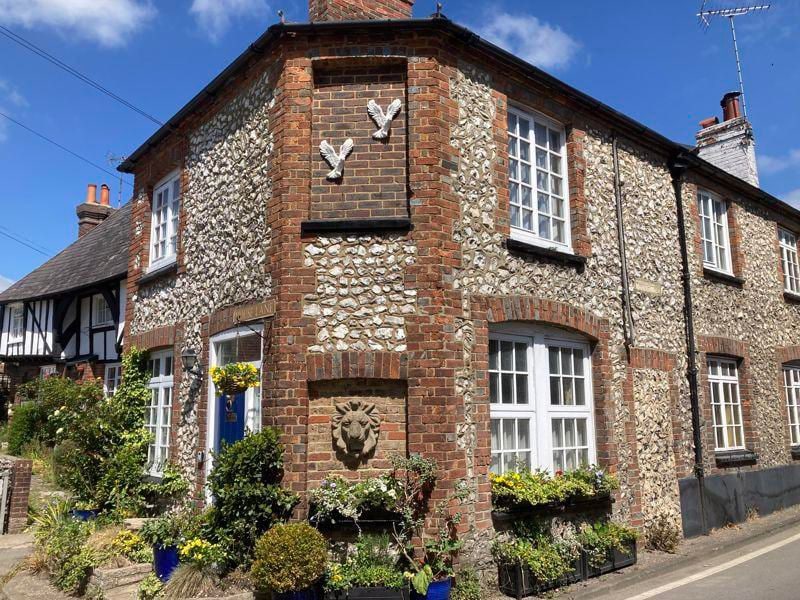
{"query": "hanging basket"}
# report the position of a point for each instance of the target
(234, 378)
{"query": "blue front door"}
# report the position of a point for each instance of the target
(230, 423)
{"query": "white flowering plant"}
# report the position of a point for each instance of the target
(337, 498)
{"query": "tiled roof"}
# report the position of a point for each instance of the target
(100, 255)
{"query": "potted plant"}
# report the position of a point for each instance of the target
(165, 534)
(370, 572)
(84, 511)
(290, 560)
(530, 566)
(337, 500)
(607, 546)
(234, 378)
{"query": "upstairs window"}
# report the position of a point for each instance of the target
(714, 232)
(789, 262)
(791, 387)
(101, 312)
(539, 209)
(113, 376)
(17, 322)
(164, 231)
(159, 412)
(541, 402)
(726, 405)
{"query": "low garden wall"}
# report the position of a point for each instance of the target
(15, 511)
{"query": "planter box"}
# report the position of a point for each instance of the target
(615, 560)
(570, 505)
(377, 593)
(520, 582)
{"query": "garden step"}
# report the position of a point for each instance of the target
(121, 583)
(134, 524)
(26, 586)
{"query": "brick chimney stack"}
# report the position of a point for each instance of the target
(730, 145)
(358, 10)
(91, 212)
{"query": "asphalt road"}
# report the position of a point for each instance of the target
(764, 570)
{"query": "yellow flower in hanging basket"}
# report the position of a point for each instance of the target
(234, 378)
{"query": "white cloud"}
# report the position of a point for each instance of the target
(539, 43)
(769, 165)
(5, 282)
(107, 22)
(793, 198)
(215, 16)
(10, 98)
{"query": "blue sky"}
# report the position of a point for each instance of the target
(650, 60)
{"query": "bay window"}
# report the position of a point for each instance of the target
(726, 404)
(714, 232)
(164, 221)
(539, 206)
(541, 401)
(789, 263)
(159, 412)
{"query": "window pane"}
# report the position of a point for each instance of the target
(512, 122)
(509, 443)
(569, 433)
(521, 356)
(566, 361)
(540, 131)
(566, 385)
(523, 433)
(525, 151)
(507, 388)
(506, 355)
(558, 437)
(578, 354)
(493, 391)
(581, 427)
(544, 227)
(522, 389)
(555, 140)
(494, 350)
(555, 390)
(571, 460)
(495, 467)
(558, 460)
(524, 129)
(495, 434)
(583, 457)
(526, 196)
(541, 158)
(580, 396)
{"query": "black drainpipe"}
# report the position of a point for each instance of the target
(678, 167)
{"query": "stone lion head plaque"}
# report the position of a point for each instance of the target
(356, 426)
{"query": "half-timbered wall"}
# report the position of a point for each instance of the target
(37, 330)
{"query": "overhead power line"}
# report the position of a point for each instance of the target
(24, 243)
(64, 148)
(75, 73)
(26, 239)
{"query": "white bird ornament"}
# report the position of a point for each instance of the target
(383, 120)
(335, 159)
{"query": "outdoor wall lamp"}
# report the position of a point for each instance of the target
(190, 363)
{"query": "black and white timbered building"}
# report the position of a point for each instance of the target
(68, 316)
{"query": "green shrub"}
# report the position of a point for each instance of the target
(663, 535)
(172, 529)
(371, 564)
(531, 488)
(248, 498)
(25, 422)
(289, 558)
(601, 537)
(548, 561)
(150, 588)
(468, 586)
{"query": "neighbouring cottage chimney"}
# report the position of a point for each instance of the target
(358, 10)
(730, 145)
(90, 212)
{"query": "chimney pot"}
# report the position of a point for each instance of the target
(104, 195)
(91, 193)
(730, 106)
(709, 122)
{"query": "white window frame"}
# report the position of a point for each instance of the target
(164, 222)
(713, 212)
(253, 417)
(791, 387)
(539, 410)
(721, 420)
(519, 232)
(16, 323)
(790, 265)
(101, 312)
(159, 412)
(46, 371)
(112, 377)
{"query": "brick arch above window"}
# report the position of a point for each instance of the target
(785, 354)
(548, 312)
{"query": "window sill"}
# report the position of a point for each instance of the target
(354, 225)
(735, 458)
(791, 297)
(550, 254)
(158, 273)
(723, 277)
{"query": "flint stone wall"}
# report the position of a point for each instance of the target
(225, 237)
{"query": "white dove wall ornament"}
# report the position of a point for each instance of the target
(335, 159)
(383, 120)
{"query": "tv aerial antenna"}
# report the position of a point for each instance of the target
(115, 160)
(705, 17)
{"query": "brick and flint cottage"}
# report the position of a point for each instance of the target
(68, 316)
(374, 208)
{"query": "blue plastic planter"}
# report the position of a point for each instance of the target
(438, 590)
(165, 559)
(84, 514)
